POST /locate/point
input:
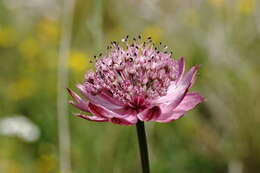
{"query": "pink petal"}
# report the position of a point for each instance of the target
(100, 111)
(181, 67)
(74, 96)
(92, 118)
(189, 76)
(101, 99)
(103, 115)
(80, 103)
(82, 107)
(176, 92)
(132, 118)
(188, 103)
(129, 120)
(149, 114)
(103, 112)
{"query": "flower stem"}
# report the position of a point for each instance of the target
(143, 146)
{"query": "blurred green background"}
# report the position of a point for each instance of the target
(219, 136)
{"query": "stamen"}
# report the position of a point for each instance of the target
(127, 73)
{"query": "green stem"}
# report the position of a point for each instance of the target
(143, 146)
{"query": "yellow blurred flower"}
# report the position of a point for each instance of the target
(10, 166)
(7, 36)
(47, 163)
(21, 89)
(29, 48)
(154, 31)
(79, 61)
(217, 3)
(48, 30)
(246, 7)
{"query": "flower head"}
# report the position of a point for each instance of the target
(139, 82)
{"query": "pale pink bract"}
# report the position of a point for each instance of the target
(138, 82)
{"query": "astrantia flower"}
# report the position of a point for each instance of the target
(139, 82)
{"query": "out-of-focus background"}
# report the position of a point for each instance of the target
(38, 37)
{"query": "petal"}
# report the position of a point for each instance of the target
(92, 118)
(80, 103)
(129, 120)
(177, 91)
(150, 114)
(194, 77)
(132, 118)
(102, 98)
(82, 107)
(188, 103)
(74, 96)
(181, 67)
(101, 114)
(101, 111)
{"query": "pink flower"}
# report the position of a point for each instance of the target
(139, 82)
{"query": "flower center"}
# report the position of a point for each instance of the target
(139, 71)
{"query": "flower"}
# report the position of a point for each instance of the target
(139, 82)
